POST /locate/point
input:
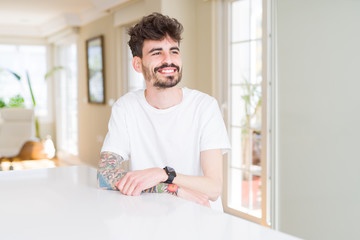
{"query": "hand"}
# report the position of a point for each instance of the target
(134, 182)
(194, 196)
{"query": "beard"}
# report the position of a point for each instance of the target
(162, 82)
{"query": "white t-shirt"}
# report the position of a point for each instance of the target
(172, 137)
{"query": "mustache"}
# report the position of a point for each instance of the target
(167, 65)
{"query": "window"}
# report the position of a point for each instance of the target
(246, 173)
(21, 59)
(67, 100)
(132, 79)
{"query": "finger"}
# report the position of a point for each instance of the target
(122, 182)
(126, 186)
(130, 185)
(137, 190)
(131, 188)
(204, 202)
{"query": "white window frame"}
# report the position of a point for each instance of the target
(62, 118)
(267, 152)
(65, 38)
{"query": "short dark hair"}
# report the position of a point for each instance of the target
(153, 27)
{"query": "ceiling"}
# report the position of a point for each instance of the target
(40, 18)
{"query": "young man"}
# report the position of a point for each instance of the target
(173, 138)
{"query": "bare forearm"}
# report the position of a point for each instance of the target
(211, 187)
(209, 184)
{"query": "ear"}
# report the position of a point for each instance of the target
(136, 62)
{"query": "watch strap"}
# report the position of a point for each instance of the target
(171, 174)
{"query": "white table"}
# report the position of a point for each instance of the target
(64, 203)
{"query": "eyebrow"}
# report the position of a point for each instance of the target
(160, 49)
(155, 49)
(175, 48)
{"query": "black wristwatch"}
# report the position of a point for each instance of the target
(171, 174)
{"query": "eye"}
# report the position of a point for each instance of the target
(175, 52)
(156, 53)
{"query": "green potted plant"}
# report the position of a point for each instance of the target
(2, 103)
(17, 99)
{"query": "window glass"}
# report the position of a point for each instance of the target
(133, 79)
(67, 102)
(240, 62)
(245, 179)
(240, 20)
(256, 19)
(23, 59)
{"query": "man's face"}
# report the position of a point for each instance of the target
(161, 62)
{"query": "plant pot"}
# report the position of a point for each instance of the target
(32, 150)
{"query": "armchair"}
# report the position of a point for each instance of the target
(16, 127)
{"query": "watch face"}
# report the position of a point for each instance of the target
(171, 171)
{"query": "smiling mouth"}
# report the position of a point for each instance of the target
(167, 69)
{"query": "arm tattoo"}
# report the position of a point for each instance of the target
(113, 167)
(163, 188)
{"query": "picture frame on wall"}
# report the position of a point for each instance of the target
(95, 69)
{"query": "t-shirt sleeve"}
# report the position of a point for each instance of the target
(117, 138)
(214, 134)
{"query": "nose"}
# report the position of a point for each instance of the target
(167, 58)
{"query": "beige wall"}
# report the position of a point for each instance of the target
(195, 50)
(203, 52)
(196, 16)
(185, 12)
(93, 118)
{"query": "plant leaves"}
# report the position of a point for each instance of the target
(11, 72)
(2, 103)
(16, 101)
(52, 71)
(30, 88)
(15, 75)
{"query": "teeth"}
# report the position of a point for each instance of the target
(167, 71)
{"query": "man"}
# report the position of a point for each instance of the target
(173, 138)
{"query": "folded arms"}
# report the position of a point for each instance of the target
(113, 174)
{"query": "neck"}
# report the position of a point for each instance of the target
(163, 98)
